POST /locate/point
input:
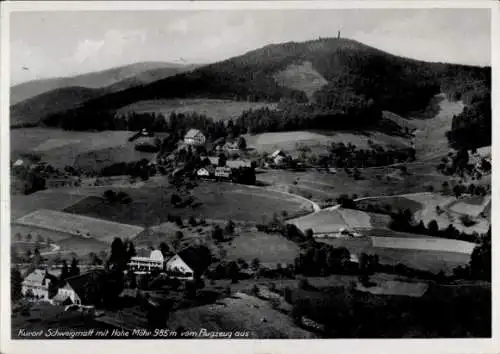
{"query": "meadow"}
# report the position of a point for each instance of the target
(79, 225)
(219, 201)
(430, 260)
(318, 141)
(60, 148)
(270, 249)
(212, 108)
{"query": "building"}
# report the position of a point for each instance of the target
(75, 290)
(223, 172)
(206, 172)
(36, 285)
(231, 147)
(70, 181)
(278, 157)
(194, 137)
(147, 264)
(188, 264)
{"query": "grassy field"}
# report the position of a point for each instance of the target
(395, 204)
(328, 221)
(472, 206)
(60, 148)
(239, 313)
(79, 225)
(430, 260)
(449, 216)
(424, 244)
(212, 108)
(318, 141)
(47, 199)
(270, 249)
(24, 230)
(223, 201)
(320, 186)
(391, 287)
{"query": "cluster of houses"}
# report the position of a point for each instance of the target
(187, 264)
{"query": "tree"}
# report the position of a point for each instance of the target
(16, 281)
(179, 235)
(309, 234)
(229, 228)
(28, 237)
(164, 249)
(74, 270)
(192, 221)
(217, 233)
(109, 195)
(19, 237)
(255, 265)
(222, 160)
(64, 271)
(480, 259)
(433, 228)
(131, 252)
(118, 257)
(242, 143)
(175, 199)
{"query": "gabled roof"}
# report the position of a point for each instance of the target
(192, 133)
(36, 277)
(79, 282)
(277, 153)
(198, 258)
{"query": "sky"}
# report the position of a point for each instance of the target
(55, 44)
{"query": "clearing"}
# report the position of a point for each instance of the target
(212, 108)
(78, 225)
(302, 77)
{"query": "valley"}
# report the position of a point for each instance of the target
(295, 180)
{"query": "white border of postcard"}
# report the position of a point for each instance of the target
(8, 346)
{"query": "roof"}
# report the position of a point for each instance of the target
(198, 258)
(192, 133)
(79, 282)
(35, 277)
(156, 255)
(277, 153)
(18, 163)
(209, 168)
(60, 297)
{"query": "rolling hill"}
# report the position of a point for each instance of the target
(32, 101)
(334, 80)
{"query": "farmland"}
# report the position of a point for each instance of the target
(47, 199)
(319, 186)
(78, 225)
(431, 260)
(211, 200)
(60, 148)
(330, 221)
(212, 108)
(249, 245)
(318, 141)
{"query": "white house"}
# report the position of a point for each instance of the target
(74, 290)
(223, 172)
(278, 157)
(188, 263)
(205, 172)
(36, 284)
(147, 264)
(177, 267)
(194, 137)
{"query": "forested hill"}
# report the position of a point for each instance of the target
(359, 82)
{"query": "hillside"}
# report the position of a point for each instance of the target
(61, 94)
(345, 84)
(144, 72)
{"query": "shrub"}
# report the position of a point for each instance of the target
(467, 221)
